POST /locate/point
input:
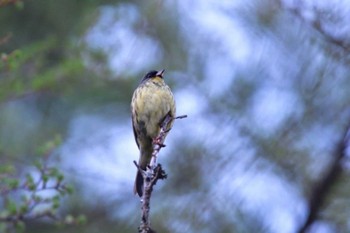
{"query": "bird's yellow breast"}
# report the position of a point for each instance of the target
(151, 102)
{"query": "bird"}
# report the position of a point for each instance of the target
(151, 103)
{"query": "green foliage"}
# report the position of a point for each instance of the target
(48, 76)
(42, 63)
(38, 194)
(10, 61)
(42, 76)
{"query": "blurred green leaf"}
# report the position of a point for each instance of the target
(6, 169)
(12, 183)
(19, 5)
(55, 202)
(30, 182)
(81, 219)
(69, 189)
(24, 208)
(69, 219)
(11, 207)
(20, 226)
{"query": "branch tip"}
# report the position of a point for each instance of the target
(180, 117)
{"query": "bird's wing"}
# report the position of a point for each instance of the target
(135, 133)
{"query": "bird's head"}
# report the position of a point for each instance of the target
(152, 75)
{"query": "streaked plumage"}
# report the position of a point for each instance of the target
(151, 102)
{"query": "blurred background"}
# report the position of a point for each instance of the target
(265, 85)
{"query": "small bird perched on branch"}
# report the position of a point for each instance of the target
(151, 102)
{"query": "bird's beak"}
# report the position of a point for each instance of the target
(160, 73)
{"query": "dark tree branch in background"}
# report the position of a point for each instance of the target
(316, 22)
(323, 187)
(5, 39)
(152, 174)
(9, 2)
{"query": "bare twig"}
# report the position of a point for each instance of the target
(159, 173)
(159, 141)
(6, 38)
(324, 185)
(316, 23)
(34, 205)
(8, 2)
(153, 173)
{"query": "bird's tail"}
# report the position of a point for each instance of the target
(138, 187)
(145, 158)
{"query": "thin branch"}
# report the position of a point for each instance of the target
(323, 187)
(8, 2)
(5, 39)
(153, 173)
(30, 209)
(317, 24)
(145, 226)
(158, 143)
(180, 117)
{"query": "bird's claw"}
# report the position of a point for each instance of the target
(158, 141)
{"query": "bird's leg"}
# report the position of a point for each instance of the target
(163, 124)
(149, 173)
(158, 141)
(144, 173)
(153, 161)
